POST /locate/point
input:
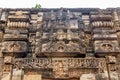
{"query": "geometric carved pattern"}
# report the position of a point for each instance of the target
(60, 66)
(42, 63)
(59, 43)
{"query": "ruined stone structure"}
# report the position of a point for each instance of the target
(60, 44)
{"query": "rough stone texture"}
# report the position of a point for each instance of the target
(32, 76)
(1, 67)
(65, 43)
(6, 76)
(105, 76)
(17, 75)
(88, 77)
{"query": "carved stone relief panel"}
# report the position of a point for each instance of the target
(51, 33)
(46, 47)
(73, 24)
(4, 16)
(59, 46)
(106, 46)
(61, 35)
(111, 59)
(18, 19)
(8, 59)
(19, 15)
(60, 68)
(15, 34)
(74, 47)
(40, 17)
(18, 24)
(14, 46)
(32, 40)
(7, 68)
(29, 63)
(106, 34)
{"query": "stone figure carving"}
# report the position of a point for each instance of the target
(65, 43)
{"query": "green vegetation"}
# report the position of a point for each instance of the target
(37, 6)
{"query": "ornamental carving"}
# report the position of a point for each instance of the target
(65, 43)
(14, 46)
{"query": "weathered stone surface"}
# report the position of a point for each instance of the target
(17, 74)
(65, 43)
(106, 76)
(6, 76)
(32, 76)
(88, 77)
(8, 59)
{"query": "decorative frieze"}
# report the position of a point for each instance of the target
(59, 43)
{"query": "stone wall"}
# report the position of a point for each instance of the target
(63, 43)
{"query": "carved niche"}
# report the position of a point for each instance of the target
(46, 47)
(59, 46)
(106, 46)
(15, 46)
(60, 34)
